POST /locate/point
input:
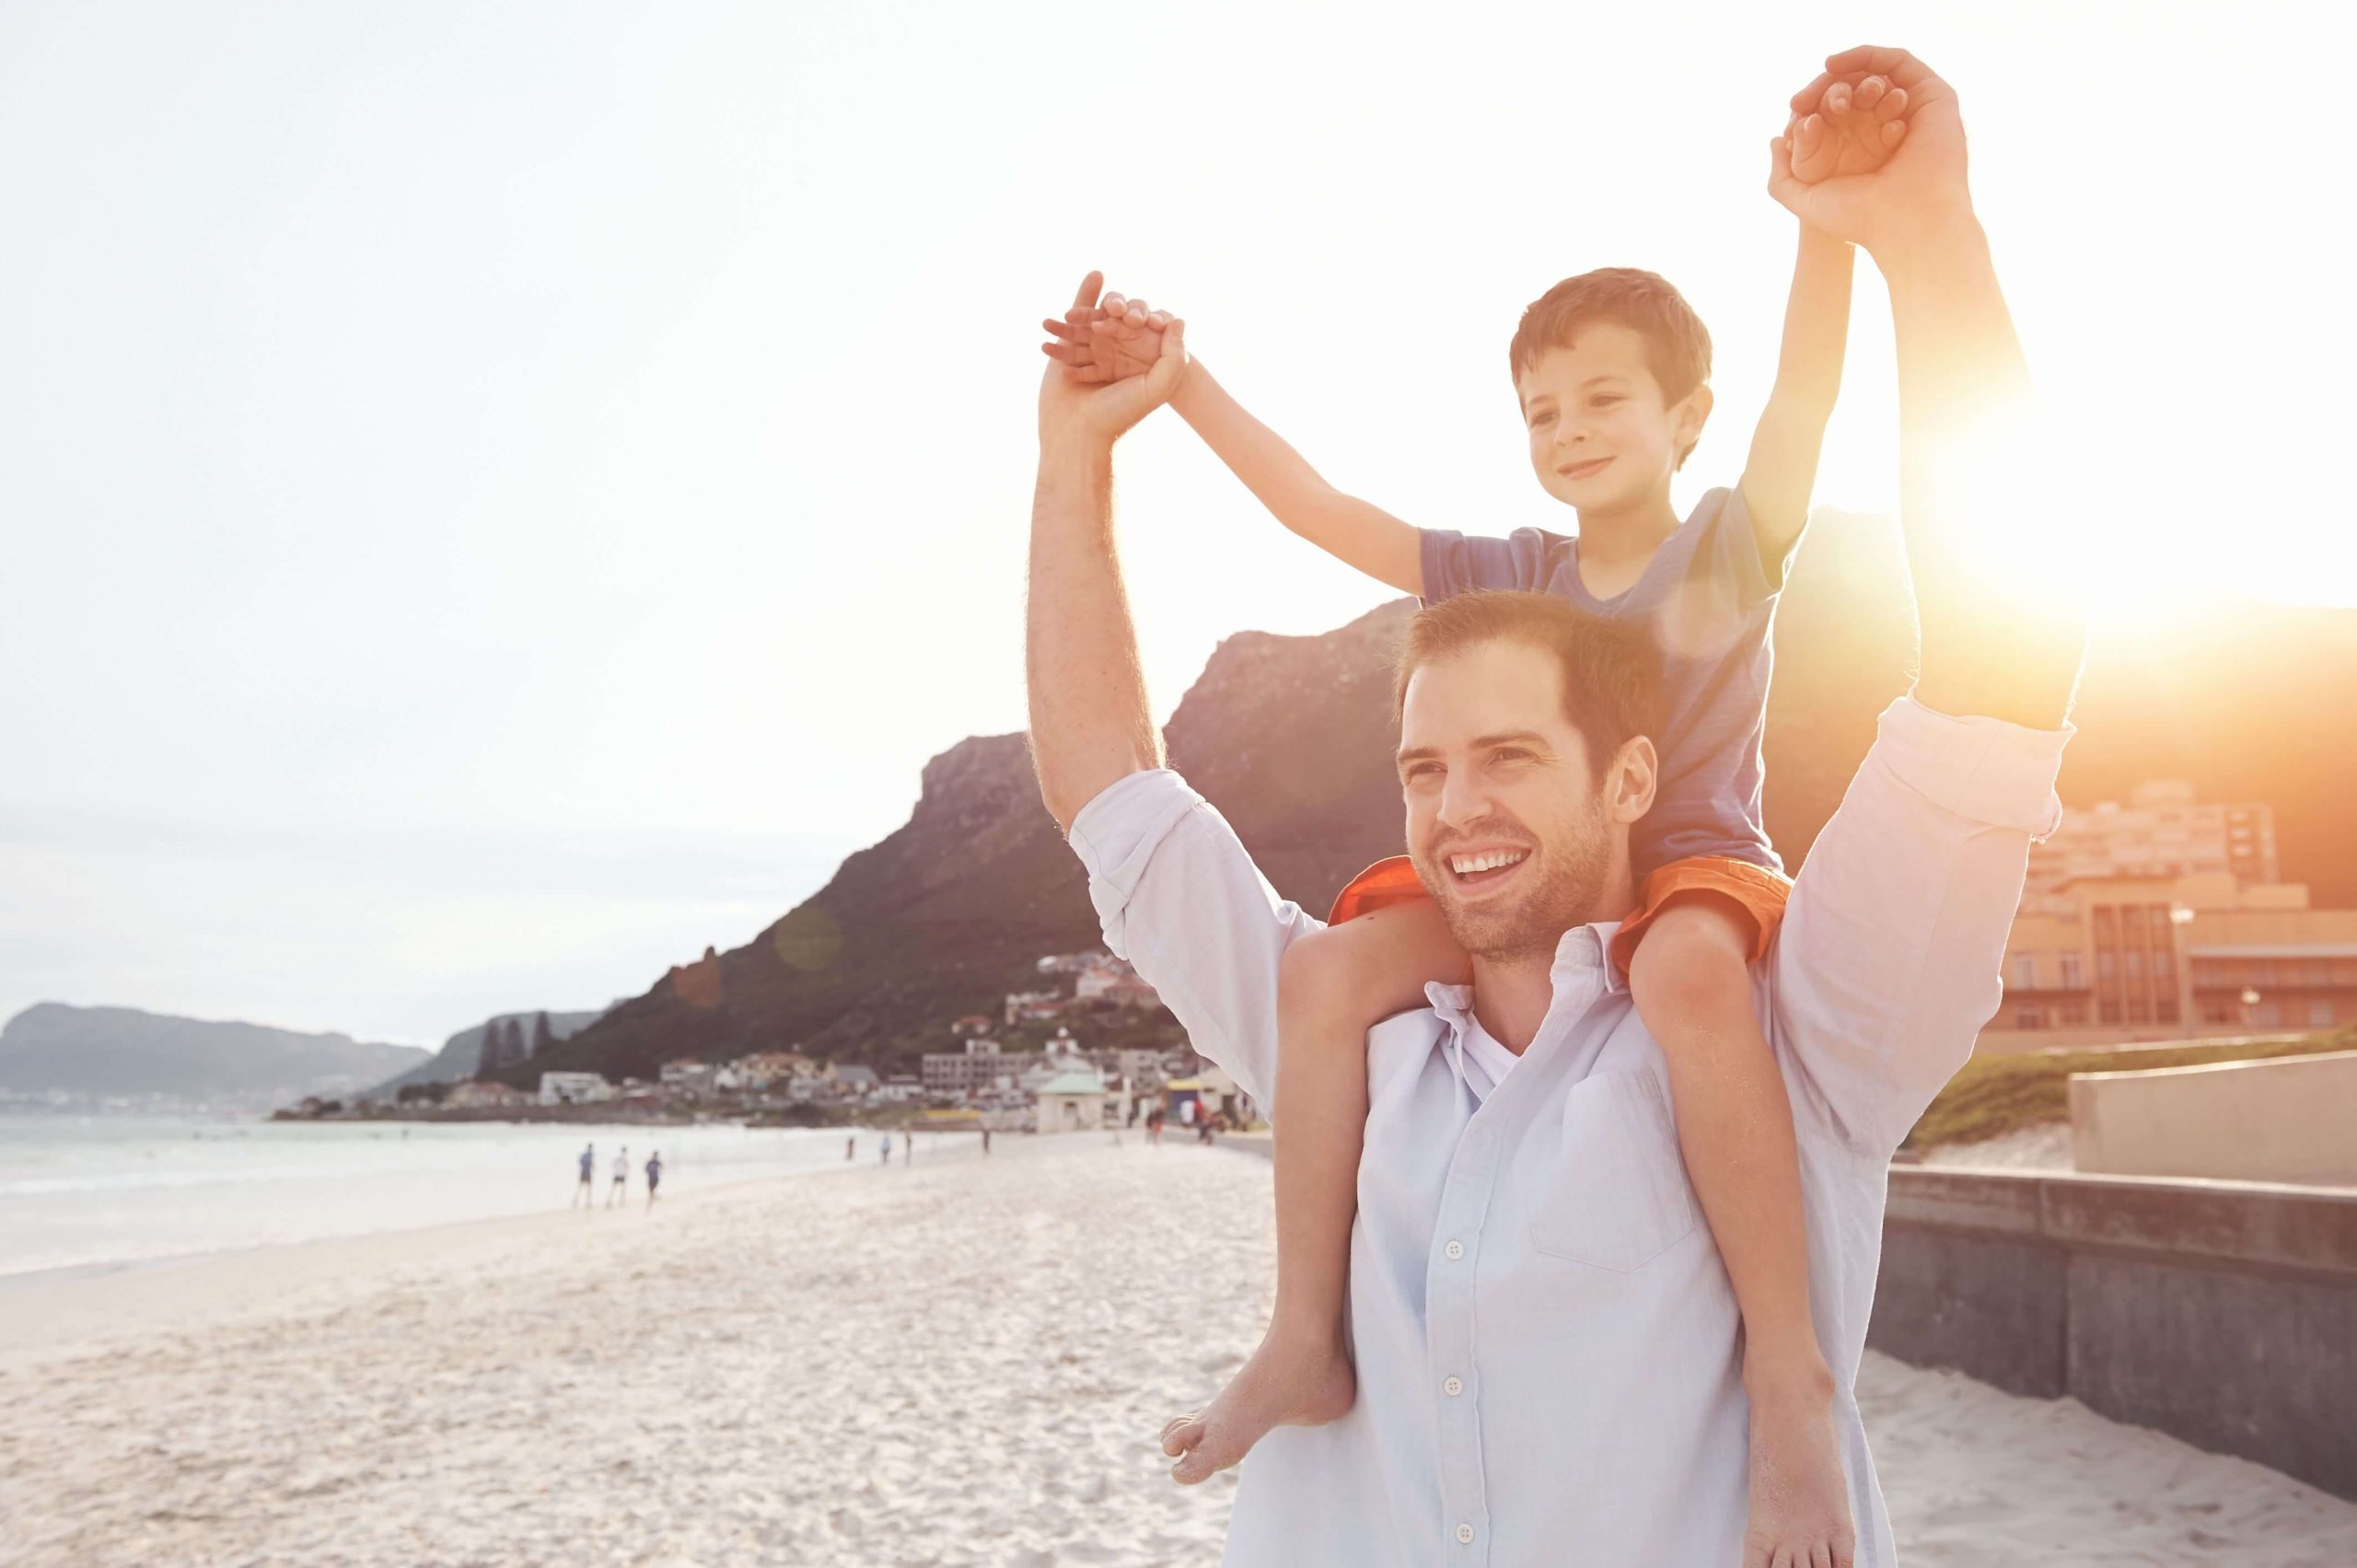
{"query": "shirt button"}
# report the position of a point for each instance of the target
(1465, 1535)
(1453, 1251)
(1453, 1386)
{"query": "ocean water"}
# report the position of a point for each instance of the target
(91, 1191)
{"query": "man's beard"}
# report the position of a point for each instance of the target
(1561, 891)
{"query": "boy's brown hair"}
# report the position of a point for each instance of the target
(1612, 670)
(1678, 347)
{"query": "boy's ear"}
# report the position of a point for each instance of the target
(1694, 414)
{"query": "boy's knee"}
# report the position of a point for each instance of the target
(1322, 967)
(1697, 953)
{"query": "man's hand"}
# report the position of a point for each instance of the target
(1919, 195)
(1118, 339)
(1109, 374)
(1849, 130)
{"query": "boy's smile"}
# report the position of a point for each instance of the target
(1601, 438)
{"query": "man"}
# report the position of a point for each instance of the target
(1546, 1343)
(584, 1192)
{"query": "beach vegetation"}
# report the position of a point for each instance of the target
(1997, 1095)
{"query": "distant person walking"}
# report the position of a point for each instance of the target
(583, 1192)
(654, 1174)
(888, 1148)
(851, 1145)
(908, 1147)
(986, 1140)
(618, 1189)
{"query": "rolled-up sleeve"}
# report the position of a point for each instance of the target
(1179, 898)
(1891, 952)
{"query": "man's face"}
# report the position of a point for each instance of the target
(1508, 825)
(1601, 437)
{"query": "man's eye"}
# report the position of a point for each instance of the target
(1510, 754)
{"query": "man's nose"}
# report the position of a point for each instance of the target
(1463, 800)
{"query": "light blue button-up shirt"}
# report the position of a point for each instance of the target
(1548, 1348)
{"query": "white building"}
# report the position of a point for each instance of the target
(574, 1088)
(1072, 1102)
(978, 1067)
(2161, 831)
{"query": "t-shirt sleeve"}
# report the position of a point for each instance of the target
(1733, 550)
(1456, 563)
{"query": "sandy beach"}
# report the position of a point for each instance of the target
(961, 1362)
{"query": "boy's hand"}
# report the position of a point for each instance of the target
(1852, 129)
(1081, 400)
(1919, 195)
(1117, 339)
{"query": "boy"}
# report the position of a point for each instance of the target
(1611, 371)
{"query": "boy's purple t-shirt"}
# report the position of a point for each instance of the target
(1708, 600)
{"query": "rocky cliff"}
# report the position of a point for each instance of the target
(1290, 736)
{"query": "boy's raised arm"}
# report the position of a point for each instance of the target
(1122, 341)
(1851, 131)
(1357, 533)
(1781, 474)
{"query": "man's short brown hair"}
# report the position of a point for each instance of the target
(1611, 670)
(1678, 347)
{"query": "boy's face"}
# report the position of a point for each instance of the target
(1601, 437)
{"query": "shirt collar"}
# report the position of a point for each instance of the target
(1581, 958)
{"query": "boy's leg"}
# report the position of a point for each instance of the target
(1334, 986)
(1691, 983)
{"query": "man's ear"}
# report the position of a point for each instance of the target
(1636, 774)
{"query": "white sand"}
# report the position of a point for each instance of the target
(961, 1362)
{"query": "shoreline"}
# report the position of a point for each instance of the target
(66, 1311)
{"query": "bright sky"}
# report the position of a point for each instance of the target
(497, 498)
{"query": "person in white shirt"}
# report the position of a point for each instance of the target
(618, 1189)
(1546, 1345)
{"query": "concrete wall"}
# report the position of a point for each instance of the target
(2222, 1313)
(2291, 1118)
(1996, 1042)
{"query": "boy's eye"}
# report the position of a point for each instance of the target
(1607, 403)
(1539, 419)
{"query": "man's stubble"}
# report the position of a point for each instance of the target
(1575, 862)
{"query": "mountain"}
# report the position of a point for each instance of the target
(462, 1052)
(1291, 738)
(51, 1047)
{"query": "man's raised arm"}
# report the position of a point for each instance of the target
(2002, 632)
(1887, 961)
(1090, 725)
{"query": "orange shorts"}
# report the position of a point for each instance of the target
(1757, 892)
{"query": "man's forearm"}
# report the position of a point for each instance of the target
(2000, 636)
(1090, 724)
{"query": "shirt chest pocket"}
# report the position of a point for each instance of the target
(1619, 1197)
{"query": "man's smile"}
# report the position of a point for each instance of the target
(1478, 872)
